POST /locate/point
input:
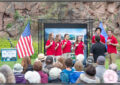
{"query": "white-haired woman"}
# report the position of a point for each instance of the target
(8, 73)
(2, 78)
(54, 75)
(32, 77)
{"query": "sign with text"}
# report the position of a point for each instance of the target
(9, 54)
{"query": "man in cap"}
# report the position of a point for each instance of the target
(100, 69)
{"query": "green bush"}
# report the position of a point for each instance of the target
(9, 25)
(16, 15)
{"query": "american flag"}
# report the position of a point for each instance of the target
(24, 45)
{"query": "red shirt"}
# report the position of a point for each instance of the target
(51, 49)
(67, 48)
(79, 49)
(58, 51)
(102, 39)
(111, 48)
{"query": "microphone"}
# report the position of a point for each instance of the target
(11, 45)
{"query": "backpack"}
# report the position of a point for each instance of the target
(64, 77)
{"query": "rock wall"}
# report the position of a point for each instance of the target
(107, 12)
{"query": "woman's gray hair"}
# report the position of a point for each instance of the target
(2, 78)
(8, 73)
(113, 67)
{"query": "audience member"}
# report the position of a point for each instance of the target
(62, 61)
(49, 64)
(54, 75)
(25, 63)
(8, 73)
(42, 58)
(80, 57)
(37, 66)
(88, 76)
(32, 77)
(65, 74)
(100, 69)
(98, 49)
(2, 78)
(78, 70)
(17, 69)
(58, 65)
(114, 68)
(110, 76)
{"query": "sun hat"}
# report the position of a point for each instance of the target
(80, 57)
(18, 68)
(41, 57)
(110, 76)
(32, 77)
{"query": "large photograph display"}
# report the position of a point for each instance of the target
(73, 30)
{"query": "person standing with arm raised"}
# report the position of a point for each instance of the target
(50, 45)
(58, 46)
(79, 46)
(112, 43)
(66, 46)
(98, 33)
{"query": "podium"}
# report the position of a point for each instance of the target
(9, 54)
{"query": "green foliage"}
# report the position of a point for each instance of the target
(16, 15)
(9, 25)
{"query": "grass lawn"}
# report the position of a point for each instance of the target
(11, 64)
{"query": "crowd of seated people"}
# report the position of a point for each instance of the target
(45, 70)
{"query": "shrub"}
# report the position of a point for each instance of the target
(9, 25)
(16, 15)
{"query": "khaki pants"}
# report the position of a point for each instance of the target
(112, 58)
(66, 55)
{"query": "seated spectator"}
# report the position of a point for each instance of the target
(62, 61)
(29, 68)
(88, 76)
(65, 74)
(41, 57)
(37, 66)
(114, 68)
(32, 77)
(79, 70)
(58, 65)
(17, 69)
(8, 73)
(90, 60)
(110, 76)
(2, 78)
(80, 57)
(100, 69)
(49, 64)
(54, 75)
(25, 63)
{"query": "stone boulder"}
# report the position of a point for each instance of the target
(111, 8)
(20, 5)
(3, 6)
(4, 34)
